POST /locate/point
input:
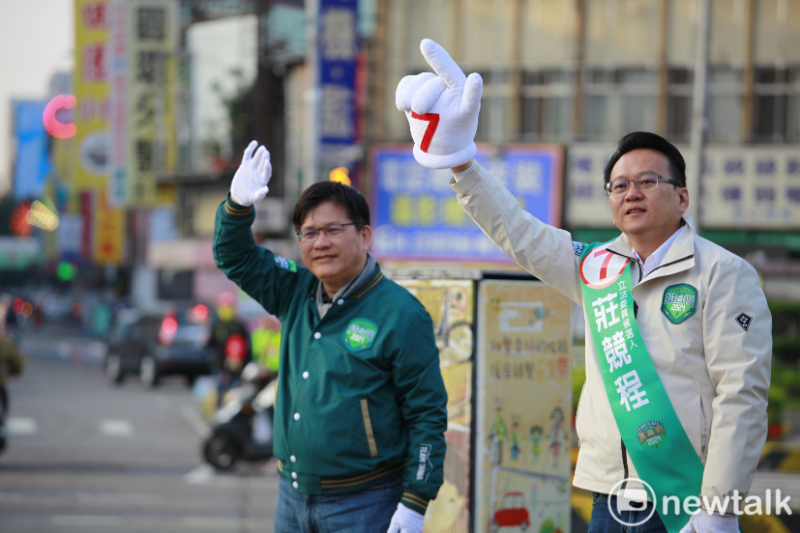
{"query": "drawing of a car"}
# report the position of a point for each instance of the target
(512, 513)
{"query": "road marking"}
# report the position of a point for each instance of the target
(115, 428)
(195, 420)
(86, 520)
(17, 425)
(130, 498)
(199, 475)
(12, 497)
(212, 522)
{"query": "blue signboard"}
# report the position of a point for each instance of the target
(416, 216)
(337, 75)
(32, 162)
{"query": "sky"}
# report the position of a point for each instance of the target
(36, 41)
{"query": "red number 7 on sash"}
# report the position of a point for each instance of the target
(433, 123)
(604, 267)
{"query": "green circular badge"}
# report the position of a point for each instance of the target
(360, 334)
(679, 303)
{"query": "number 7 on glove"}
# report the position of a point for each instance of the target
(442, 109)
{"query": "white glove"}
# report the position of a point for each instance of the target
(703, 522)
(442, 109)
(404, 520)
(249, 185)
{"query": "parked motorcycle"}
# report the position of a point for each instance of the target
(242, 426)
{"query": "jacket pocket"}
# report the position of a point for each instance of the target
(373, 448)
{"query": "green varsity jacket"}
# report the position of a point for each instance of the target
(360, 398)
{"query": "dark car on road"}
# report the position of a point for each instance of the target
(154, 347)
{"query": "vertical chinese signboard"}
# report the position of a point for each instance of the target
(109, 225)
(143, 69)
(523, 384)
(118, 72)
(31, 162)
(90, 116)
(417, 216)
(337, 78)
(103, 226)
(450, 304)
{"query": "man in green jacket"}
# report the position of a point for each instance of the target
(360, 410)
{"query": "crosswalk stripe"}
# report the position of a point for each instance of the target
(16, 425)
(200, 475)
(86, 520)
(115, 428)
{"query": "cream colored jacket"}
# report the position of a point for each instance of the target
(715, 372)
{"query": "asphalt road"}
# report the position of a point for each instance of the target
(85, 456)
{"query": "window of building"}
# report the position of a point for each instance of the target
(493, 123)
(724, 111)
(546, 106)
(775, 100)
(679, 104)
(617, 102)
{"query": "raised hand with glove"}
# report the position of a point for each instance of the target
(249, 185)
(442, 109)
(703, 522)
(404, 520)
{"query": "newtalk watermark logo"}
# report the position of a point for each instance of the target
(633, 493)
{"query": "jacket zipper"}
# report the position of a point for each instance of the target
(624, 463)
(672, 263)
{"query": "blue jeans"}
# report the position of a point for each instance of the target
(603, 522)
(368, 511)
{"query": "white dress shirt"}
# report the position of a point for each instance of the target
(657, 257)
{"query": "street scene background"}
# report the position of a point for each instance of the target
(122, 123)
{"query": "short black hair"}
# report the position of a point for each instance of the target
(331, 191)
(644, 140)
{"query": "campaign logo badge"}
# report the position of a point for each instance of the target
(651, 433)
(360, 334)
(679, 303)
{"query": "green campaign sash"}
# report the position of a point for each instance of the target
(656, 441)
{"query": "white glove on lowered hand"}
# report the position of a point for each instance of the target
(442, 109)
(249, 185)
(405, 520)
(703, 522)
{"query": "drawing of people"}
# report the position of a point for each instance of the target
(536, 434)
(516, 438)
(557, 433)
(498, 434)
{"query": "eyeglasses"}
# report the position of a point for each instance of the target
(643, 183)
(331, 231)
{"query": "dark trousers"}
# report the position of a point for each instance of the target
(368, 511)
(604, 521)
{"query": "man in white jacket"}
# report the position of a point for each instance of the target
(698, 309)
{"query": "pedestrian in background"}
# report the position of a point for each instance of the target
(11, 364)
(229, 339)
